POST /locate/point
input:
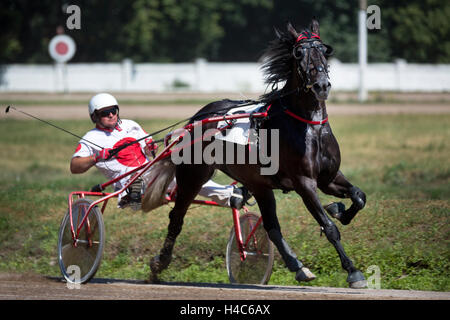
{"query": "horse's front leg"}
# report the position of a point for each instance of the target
(267, 205)
(340, 187)
(307, 190)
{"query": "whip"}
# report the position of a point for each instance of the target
(51, 124)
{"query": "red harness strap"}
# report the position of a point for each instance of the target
(293, 115)
(267, 110)
(306, 35)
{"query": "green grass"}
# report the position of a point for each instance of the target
(400, 161)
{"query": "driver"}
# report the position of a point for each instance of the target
(111, 132)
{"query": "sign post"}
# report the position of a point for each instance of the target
(62, 48)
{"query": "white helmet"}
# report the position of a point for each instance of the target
(100, 101)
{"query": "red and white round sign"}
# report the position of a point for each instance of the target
(62, 48)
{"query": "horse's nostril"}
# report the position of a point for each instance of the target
(316, 87)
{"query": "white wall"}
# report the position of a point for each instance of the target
(204, 76)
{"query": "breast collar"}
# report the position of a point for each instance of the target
(293, 115)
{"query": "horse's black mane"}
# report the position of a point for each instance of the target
(277, 62)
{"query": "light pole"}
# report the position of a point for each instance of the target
(362, 50)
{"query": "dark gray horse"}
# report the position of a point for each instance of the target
(309, 156)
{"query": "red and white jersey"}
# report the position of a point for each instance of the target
(126, 160)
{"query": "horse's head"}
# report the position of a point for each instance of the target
(311, 59)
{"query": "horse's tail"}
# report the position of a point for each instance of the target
(157, 180)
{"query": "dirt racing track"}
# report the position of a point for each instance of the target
(35, 287)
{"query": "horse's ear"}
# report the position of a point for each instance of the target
(315, 26)
(292, 30)
(277, 32)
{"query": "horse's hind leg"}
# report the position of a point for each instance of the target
(267, 205)
(340, 187)
(307, 190)
(189, 182)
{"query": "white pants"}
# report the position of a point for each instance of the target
(214, 191)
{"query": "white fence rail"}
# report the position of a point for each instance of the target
(203, 76)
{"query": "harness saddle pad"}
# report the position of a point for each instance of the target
(239, 132)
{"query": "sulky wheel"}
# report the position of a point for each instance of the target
(79, 263)
(257, 266)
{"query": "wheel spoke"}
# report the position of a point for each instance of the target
(257, 266)
(87, 242)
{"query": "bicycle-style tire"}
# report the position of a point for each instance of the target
(257, 267)
(79, 263)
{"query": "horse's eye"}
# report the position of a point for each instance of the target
(298, 53)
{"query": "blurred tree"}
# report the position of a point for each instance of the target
(219, 30)
(26, 26)
(103, 36)
(173, 30)
(10, 22)
(248, 27)
(418, 30)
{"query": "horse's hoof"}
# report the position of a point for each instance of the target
(356, 280)
(304, 274)
(336, 210)
(153, 279)
(156, 265)
(358, 284)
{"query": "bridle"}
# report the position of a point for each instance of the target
(306, 42)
